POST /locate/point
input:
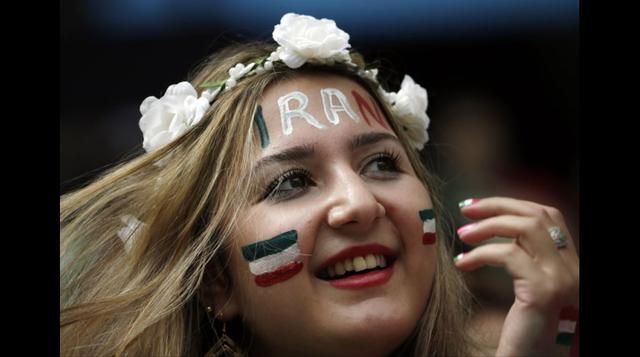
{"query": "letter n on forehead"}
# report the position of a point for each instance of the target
(363, 104)
(287, 114)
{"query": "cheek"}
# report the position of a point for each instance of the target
(271, 248)
(404, 206)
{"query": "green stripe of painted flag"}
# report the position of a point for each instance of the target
(262, 128)
(270, 246)
(426, 214)
(564, 338)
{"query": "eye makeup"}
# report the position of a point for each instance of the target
(387, 165)
(287, 185)
(428, 226)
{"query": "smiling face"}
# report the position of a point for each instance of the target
(337, 193)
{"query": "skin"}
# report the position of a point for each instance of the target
(352, 198)
(546, 278)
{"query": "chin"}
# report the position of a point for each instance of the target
(374, 331)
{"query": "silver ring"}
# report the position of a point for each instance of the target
(558, 237)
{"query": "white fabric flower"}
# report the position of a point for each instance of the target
(389, 97)
(230, 83)
(303, 37)
(410, 107)
(371, 74)
(166, 118)
(239, 70)
(211, 93)
(128, 233)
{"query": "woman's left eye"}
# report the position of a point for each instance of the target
(382, 165)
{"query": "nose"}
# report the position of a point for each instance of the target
(352, 204)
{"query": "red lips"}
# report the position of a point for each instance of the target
(371, 278)
(365, 278)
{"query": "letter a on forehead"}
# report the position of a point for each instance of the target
(287, 114)
(331, 110)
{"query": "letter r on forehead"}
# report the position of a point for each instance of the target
(287, 114)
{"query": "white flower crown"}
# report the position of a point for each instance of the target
(302, 39)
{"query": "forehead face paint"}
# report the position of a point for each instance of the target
(362, 104)
(287, 114)
(331, 110)
(274, 260)
(428, 226)
(262, 128)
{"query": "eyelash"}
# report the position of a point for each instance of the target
(386, 154)
(270, 192)
(281, 178)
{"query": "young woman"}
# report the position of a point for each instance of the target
(282, 209)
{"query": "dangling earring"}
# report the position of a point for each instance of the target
(225, 346)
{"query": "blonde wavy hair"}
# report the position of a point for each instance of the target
(143, 301)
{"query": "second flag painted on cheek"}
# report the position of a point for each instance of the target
(428, 226)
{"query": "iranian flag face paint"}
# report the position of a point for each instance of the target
(274, 260)
(567, 326)
(428, 226)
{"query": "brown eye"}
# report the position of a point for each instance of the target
(385, 164)
(382, 165)
(289, 185)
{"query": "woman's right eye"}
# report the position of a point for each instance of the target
(288, 185)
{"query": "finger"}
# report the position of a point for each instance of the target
(508, 255)
(569, 252)
(558, 218)
(529, 232)
(550, 216)
(494, 206)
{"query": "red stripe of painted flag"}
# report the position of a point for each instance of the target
(281, 274)
(428, 238)
(569, 313)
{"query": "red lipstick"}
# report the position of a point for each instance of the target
(363, 279)
(372, 278)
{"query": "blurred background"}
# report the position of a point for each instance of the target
(502, 78)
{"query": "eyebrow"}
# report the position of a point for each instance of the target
(295, 153)
(306, 151)
(370, 139)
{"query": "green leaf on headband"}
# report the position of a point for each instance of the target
(211, 84)
(261, 60)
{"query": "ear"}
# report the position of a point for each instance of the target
(217, 292)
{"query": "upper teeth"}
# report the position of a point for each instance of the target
(357, 264)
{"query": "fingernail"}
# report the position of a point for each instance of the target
(458, 257)
(468, 202)
(465, 228)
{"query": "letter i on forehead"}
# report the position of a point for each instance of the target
(262, 128)
(274, 260)
(428, 226)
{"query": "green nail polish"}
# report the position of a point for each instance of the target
(458, 257)
(467, 202)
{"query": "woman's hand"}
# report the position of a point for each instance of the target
(546, 276)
